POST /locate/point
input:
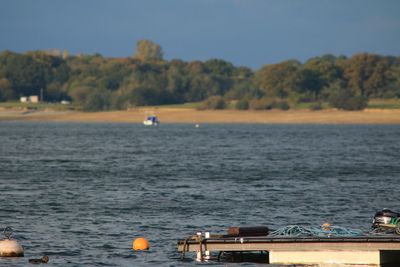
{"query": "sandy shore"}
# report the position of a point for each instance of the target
(170, 115)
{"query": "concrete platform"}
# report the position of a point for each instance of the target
(373, 250)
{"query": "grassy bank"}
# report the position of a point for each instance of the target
(37, 106)
(384, 104)
(378, 112)
(193, 116)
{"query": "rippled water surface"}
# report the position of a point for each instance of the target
(81, 193)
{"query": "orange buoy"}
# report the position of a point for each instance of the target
(140, 244)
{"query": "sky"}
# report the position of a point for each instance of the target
(248, 33)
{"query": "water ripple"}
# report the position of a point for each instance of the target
(81, 193)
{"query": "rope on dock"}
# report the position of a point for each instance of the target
(381, 231)
(332, 231)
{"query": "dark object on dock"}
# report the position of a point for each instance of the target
(244, 256)
(387, 219)
(248, 231)
(44, 259)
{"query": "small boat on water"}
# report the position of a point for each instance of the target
(151, 120)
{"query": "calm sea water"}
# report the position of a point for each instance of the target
(81, 193)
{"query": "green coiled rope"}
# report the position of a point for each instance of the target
(331, 231)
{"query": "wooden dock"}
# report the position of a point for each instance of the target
(373, 250)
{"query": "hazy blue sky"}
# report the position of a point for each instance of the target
(245, 32)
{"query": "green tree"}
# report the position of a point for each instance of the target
(278, 80)
(219, 67)
(25, 74)
(318, 73)
(148, 51)
(243, 89)
(242, 104)
(98, 100)
(143, 96)
(343, 98)
(113, 75)
(204, 86)
(6, 91)
(366, 74)
(213, 102)
(308, 82)
(177, 80)
(80, 94)
(325, 67)
(196, 68)
(98, 83)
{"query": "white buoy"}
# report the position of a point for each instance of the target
(10, 247)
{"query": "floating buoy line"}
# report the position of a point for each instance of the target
(12, 248)
(384, 236)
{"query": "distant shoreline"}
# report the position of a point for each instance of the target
(193, 116)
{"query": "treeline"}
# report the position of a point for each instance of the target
(98, 83)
